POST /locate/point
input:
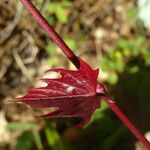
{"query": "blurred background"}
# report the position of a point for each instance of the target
(113, 35)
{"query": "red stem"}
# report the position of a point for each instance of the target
(75, 60)
(127, 122)
(51, 32)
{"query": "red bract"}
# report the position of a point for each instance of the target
(74, 94)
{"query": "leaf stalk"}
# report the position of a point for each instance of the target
(126, 121)
(75, 60)
(51, 32)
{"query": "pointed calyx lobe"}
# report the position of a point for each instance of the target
(73, 94)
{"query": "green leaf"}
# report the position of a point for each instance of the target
(107, 64)
(119, 62)
(61, 15)
(50, 49)
(99, 113)
(37, 139)
(66, 4)
(146, 55)
(51, 20)
(134, 69)
(126, 52)
(113, 78)
(132, 13)
(52, 6)
(53, 61)
(53, 138)
(71, 43)
(21, 126)
(110, 141)
(59, 10)
(24, 141)
(124, 44)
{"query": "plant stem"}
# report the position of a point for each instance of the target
(51, 32)
(75, 60)
(126, 121)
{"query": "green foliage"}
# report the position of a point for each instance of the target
(51, 50)
(37, 139)
(30, 135)
(112, 139)
(132, 48)
(71, 43)
(59, 10)
(132, 13)
(24, 141)
(115, 61)
(21, 126)
(58, 13)
(53, 138)
(104, 132)
(100, 113)
(146, 56)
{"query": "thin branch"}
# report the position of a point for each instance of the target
(51, 32)
(75, 60)
(126, 121)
